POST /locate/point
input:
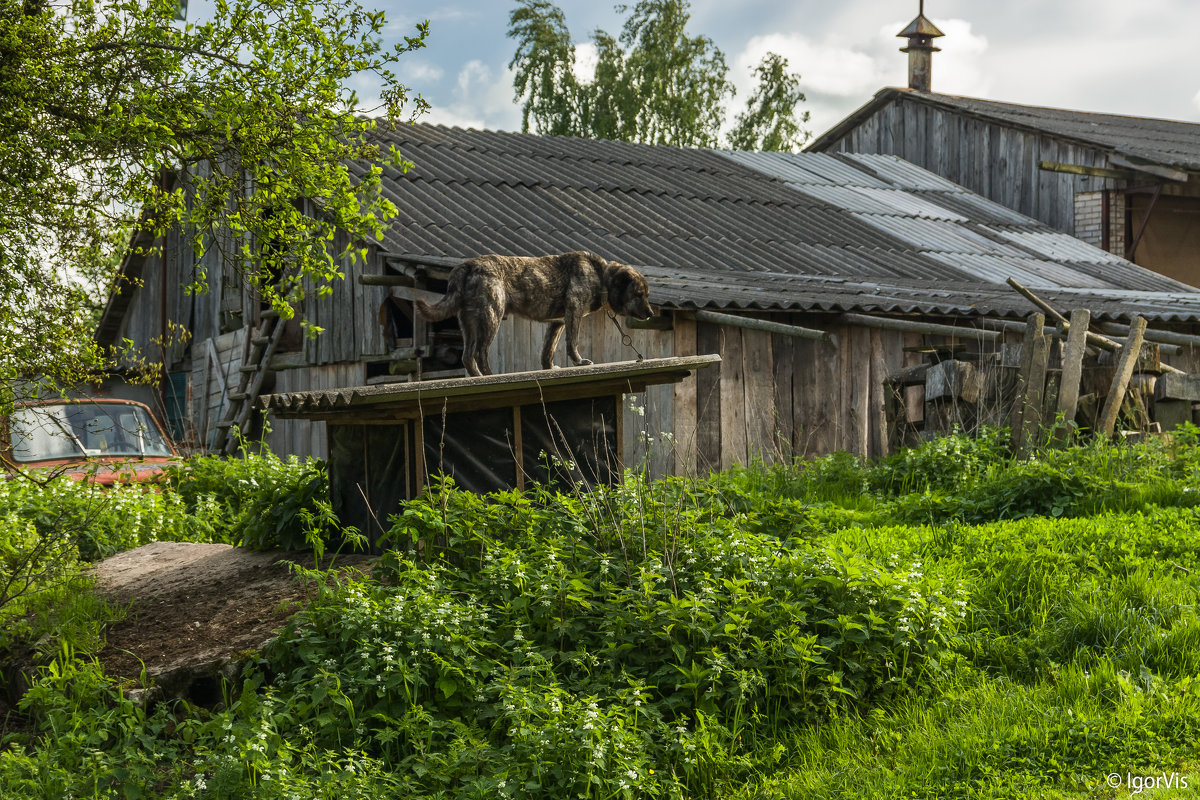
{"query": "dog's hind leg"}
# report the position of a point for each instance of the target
(553, 332)
(483, 333)
(571, 321)
(471, 338)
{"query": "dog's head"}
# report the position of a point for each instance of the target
(629, 293)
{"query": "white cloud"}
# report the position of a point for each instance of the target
(414, 72)
(587, 55)
(961, 68)
(482, 98)
(838, 76)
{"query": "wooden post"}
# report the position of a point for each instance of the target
(1031, 385)
(1120, 381)
(1072, 368)
(1093, 338)
(518, 446)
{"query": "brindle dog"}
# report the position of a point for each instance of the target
(559, 289)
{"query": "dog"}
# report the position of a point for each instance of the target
(559, 289)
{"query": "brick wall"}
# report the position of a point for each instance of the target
(1089, 220)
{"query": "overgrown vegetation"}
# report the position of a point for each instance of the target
(950, 622)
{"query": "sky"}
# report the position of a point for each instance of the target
(1110, 56)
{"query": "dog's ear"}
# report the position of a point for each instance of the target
(621, 280)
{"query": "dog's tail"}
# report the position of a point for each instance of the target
(443, 309)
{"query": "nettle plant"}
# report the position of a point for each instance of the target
(629, 640)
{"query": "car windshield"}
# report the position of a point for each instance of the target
(71, 430)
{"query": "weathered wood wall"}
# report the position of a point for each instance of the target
(213, 375)
(300, 436)
(997, 161)
(773, 397)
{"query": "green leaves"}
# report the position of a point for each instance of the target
(770, 120)
(654, 84)
(123, 120)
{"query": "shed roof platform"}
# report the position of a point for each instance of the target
(395, 401)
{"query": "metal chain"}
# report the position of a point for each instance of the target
(626, 339)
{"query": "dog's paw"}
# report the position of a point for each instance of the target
(584, 362)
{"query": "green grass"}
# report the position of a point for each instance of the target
(949, 623)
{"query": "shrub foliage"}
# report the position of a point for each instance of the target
(950, 622)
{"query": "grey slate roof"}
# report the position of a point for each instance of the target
(1159, 141)
(807, 231)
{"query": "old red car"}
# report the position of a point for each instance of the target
(101, 440)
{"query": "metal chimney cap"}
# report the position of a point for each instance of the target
(921, 26)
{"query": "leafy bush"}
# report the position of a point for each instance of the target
(259, 501)
(946, 464)
(770, 631)
(519, 640)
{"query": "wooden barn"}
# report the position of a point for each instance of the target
(1129, 185)
(817, 278)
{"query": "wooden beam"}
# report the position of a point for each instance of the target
(914, 326)
(1178, 387)
(766, 325)
(1035, 356)
(1093, 338)
(1093, 172)
(909, 376)
(518, 446)
(1072, 367)
(1161, 337)
(1120, 381)
(1157, 170)
(402, 290)
(1137, 237)
(386, 280)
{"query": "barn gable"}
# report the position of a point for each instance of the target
(1129, 185)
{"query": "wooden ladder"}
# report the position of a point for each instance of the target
(259, 349)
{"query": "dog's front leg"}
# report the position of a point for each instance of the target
(571, 320)
(553, 332)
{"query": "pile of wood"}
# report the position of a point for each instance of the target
(1046, 381)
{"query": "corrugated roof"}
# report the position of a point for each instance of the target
(1160, 141)
(710, 225)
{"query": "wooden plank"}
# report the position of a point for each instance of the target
(915, 326)
(755, 324)
(708, 402)
(818, 380)
(955, 380)
(1079, 169)
(661, 344)
(856, 371)
(1072, 368)
(759, 400)
(1026, 419)
(518, 448)
(684, 398)
(804, 407)
(782, 360)
(1120, 381)
(733, 404)
(1178, 387)
(877, 441)
(1170, 414)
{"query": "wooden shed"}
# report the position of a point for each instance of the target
(1129, 185)
(815, 277)
(556, 427)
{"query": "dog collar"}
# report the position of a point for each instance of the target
(604, 298)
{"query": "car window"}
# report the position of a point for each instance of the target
(70, 430)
